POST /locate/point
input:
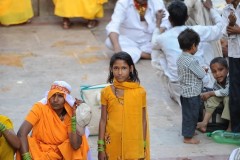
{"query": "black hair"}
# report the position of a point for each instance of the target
(128, 59)
(178, 13)
(219, 60)
(188, 38)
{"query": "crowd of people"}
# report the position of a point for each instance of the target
(183, 40)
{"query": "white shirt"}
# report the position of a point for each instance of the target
(126, 20)
(233, 40)
(168, 42)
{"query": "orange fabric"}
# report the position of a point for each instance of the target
(124, 138)
(49, 139)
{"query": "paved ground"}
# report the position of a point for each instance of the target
(32, 56)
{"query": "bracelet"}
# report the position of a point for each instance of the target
(2, 127)
(101, 142)
(74, 122)
(26, 156)
(144, 144)
(101, 149)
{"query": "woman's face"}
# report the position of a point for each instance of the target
(57, 101)
(121, 70)
(219, 72)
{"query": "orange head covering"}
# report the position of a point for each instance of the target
(60, 87)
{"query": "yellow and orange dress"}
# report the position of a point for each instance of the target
(15, 11)
(124, 128)
(6, 151)
(88, 9)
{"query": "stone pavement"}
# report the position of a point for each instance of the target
(32, 56)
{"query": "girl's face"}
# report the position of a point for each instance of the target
(121, 70)
(219, 72)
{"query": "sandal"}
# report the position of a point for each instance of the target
(92, 24)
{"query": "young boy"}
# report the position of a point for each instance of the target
(219, 68)
(190, 77)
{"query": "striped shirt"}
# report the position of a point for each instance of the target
(190, 75)
(221, 91)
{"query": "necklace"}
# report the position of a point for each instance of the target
(141, 8)
(120, 100)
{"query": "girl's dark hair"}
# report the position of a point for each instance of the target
(128, 59)
(219, 60)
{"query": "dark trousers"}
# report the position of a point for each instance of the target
(234, 93)
(190, 112)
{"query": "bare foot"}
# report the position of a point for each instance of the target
(202, 127)
(195, 133)
(191, 141)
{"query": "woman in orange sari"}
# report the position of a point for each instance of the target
(123, 127)
(53, 124)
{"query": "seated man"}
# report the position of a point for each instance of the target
(132, 25)
(53, 124)
(9, 141)
(168, 44)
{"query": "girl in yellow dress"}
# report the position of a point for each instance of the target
(87, 9)
(123, 127)
(15, 11)
(8, 139)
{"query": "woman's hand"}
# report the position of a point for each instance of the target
(102, 156)
(75, 105)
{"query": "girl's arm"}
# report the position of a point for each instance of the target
(144, 122)
(22, 134)
(102, 128)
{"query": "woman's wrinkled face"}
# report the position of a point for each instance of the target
(121, 70)
(57, 101)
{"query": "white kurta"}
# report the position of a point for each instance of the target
(167, 42)
(134, 35)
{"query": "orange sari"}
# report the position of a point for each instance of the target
(124, 130)
(49, 139)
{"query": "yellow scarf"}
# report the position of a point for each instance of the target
(132, 133)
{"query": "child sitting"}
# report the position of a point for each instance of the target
(190, 77)
(219, 68)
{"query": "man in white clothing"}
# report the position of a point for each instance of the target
(167, 42)
(132, 25)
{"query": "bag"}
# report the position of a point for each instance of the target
(91, 95)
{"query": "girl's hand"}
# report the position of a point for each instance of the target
(75, 105)
(102, 156)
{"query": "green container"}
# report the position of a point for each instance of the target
(221, 136)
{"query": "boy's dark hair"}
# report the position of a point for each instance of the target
(128, 59)
(219, 60)
(187, 38)
(178, 13)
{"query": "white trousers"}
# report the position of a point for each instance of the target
(133, 48)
